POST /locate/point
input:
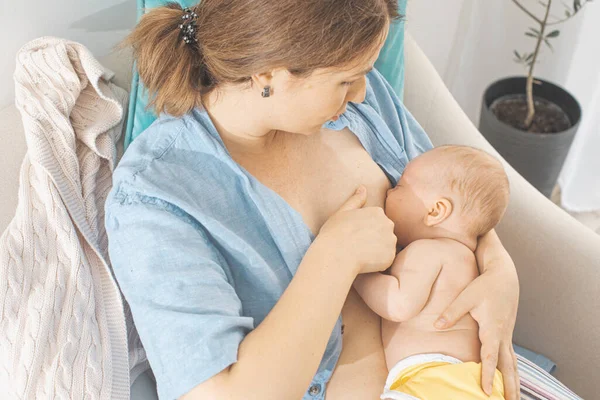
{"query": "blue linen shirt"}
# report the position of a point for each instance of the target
(202, 250)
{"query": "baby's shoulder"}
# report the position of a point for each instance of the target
(427, 246)
(456, 252)
(445, 251)
(431, 250)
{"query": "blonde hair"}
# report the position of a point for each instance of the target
(480, 180)
(239, 38)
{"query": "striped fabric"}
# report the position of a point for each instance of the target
(537, 384)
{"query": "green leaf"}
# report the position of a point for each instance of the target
(553, 34)
(576, 5)
(531, 35)
(529, 57)
(535, 31)
(568, 13)
(543, 4)
(518, 55)
(549, 45)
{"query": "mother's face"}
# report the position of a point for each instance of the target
(303, 105)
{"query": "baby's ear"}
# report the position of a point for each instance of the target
(439, 212)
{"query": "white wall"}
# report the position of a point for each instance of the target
(471, 43)
(99, 25)
(433, 24)
(580, 177)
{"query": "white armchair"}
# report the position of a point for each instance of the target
(558, 258)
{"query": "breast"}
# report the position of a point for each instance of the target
(316, 174)
(332, 170)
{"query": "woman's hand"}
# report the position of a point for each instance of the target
(492, 299)
(363, 236)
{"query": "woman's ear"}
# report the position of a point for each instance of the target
(263, 80)
(439, 212)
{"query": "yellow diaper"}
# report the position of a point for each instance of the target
(439, 377)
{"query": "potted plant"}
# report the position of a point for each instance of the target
(529, 121)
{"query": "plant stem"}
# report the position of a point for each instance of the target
(560, 21)
(526, 11)
(530, 105)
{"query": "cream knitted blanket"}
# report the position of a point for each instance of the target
(63, 332)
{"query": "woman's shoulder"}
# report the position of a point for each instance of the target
(172, 157)
(391, 119)
(379, 94)
(149, 145)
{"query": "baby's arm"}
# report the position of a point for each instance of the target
(403, 294)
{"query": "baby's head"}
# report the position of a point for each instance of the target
(450, 191)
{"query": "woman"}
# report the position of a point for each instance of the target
(260, 190)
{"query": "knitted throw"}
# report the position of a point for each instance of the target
(63, 331)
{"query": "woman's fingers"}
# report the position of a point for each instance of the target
(464, 303)
(508, 366)
(489, 361)
(491, 299)
(356, 201)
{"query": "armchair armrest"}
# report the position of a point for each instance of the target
(557, 258)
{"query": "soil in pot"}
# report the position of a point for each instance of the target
(548, 118)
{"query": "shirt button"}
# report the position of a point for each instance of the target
(314, 390)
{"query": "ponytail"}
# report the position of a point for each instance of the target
(172, 70)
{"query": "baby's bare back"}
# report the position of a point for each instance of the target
(418, 335)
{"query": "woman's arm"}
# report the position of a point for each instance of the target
(279, 358)
(492, 299)
(192, 322)
(489, 249)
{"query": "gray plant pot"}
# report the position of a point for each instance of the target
(537, 157)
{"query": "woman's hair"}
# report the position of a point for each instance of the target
(239, 38)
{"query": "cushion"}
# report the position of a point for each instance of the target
(390, 64)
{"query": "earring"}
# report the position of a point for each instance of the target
(266, 91)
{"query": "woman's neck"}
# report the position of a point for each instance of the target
(239, 120)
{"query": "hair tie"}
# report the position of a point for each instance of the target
(188, 26)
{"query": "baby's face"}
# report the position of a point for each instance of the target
(405, 204)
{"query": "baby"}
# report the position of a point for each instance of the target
(445, 199)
